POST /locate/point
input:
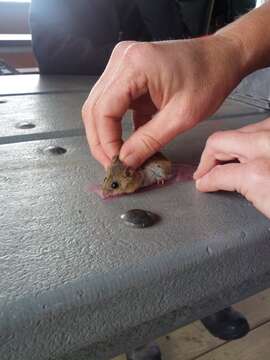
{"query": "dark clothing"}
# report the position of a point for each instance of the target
(225, 12)
(78, 36)
(163, 19)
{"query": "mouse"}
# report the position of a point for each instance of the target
(123, 180)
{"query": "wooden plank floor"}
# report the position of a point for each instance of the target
(193, 342)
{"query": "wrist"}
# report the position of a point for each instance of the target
(226, 58)
(250, 33)
(240, 53)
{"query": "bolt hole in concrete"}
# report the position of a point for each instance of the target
(55, 150)
(25, 126)
(139, 218)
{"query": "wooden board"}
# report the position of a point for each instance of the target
(255, 346)
(194, 340)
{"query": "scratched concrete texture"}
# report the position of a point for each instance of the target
(40, 84)
(76, 283)
(59, 115)
(256, 85)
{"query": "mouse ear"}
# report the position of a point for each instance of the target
(129, 172)
(115, 158)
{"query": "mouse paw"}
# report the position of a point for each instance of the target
(160, 181)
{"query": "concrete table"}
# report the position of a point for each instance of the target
(75, 282)
(38, 84)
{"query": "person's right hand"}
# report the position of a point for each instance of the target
(171, 86)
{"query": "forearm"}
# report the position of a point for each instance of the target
(252, 32)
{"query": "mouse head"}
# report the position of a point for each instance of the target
(120, 179)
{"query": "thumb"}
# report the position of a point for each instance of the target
(172, 120)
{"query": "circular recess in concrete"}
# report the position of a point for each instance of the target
(55, 150)
(139, 218)
(25, 125)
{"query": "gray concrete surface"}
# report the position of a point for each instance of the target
(59, 114)
(38, 84)
(256, 85)
(77, 284)
(254, 89)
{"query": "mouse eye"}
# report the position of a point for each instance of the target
(115, 185)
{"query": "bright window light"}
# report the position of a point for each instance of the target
(13, 37)
(260, 2)
(16, 1)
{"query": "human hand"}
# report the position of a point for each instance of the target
(250, 146)
(170, 86)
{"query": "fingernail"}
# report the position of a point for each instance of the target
(197, 175)
(130, 160)
(198, 182)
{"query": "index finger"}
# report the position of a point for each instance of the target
(126, 85)
(226, 146)
(90, 105)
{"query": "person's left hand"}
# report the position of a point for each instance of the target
(250, 146)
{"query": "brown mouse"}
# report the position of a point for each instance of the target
(122, 180)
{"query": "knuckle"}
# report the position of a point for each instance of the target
(138, 51)
(150, 143)
(214, 138)
(121, 46)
